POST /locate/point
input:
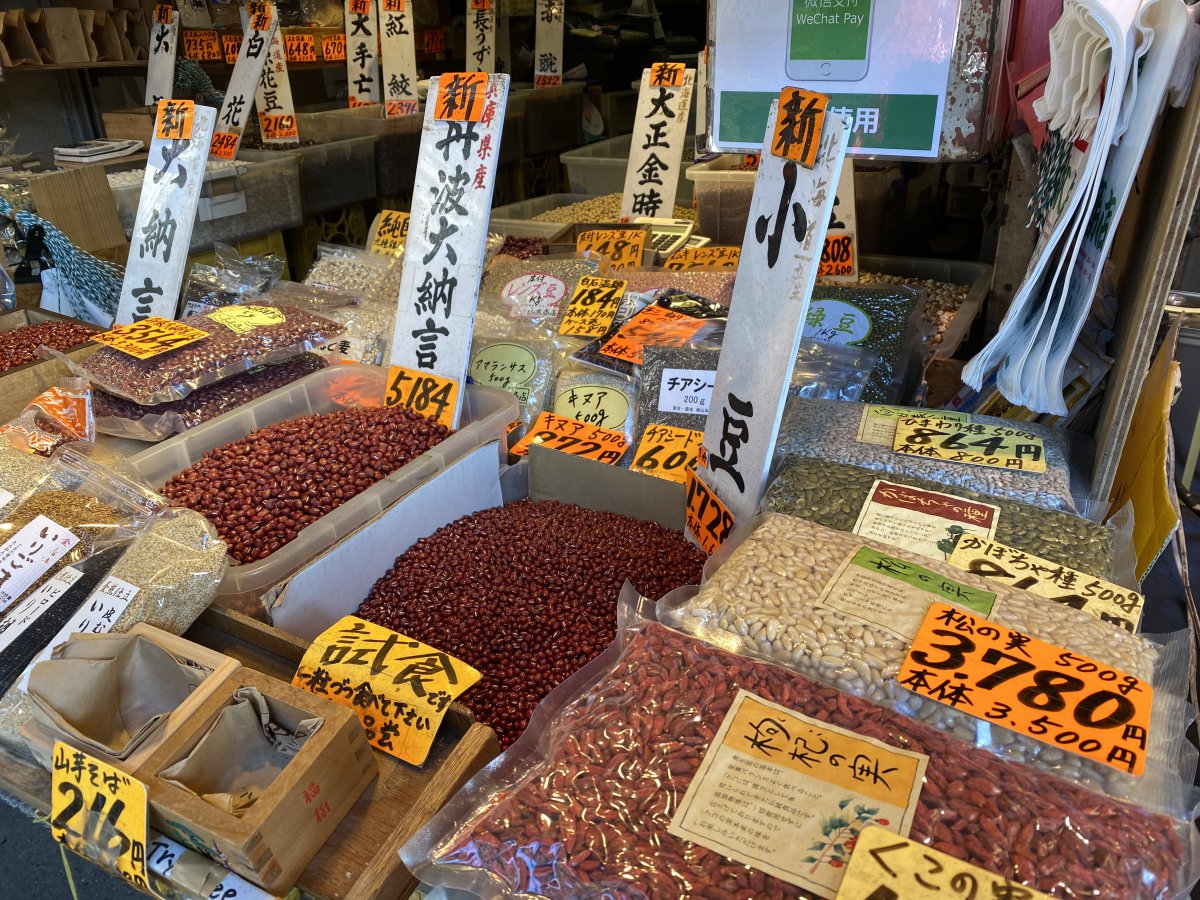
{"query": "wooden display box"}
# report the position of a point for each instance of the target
(40, 738)
(281, 833)
(136, 124)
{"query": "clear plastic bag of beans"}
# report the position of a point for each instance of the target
(831, 372)
(845, 610)
(519, 357)
(716, 286)
(124, 418)
(598, 398)
(373, 277)
(864, 434)
(239, 338)
(638, 746)
(539, 288)
(367, 321)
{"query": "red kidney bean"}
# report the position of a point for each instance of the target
(19, 345)
(522, 247)
(526, 593)
(261, 490)
(621, 756)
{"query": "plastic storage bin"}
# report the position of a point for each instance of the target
(333, 173)
(237, 202)
(516, 218)
(599, 168)
(486, 414)
(723, 197)
(553, 116)
(618, 109)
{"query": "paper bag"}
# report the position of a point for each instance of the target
(246, 748)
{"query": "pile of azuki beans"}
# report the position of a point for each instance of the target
(19, 345)
(526, 593)
(595, 811)
(261, 490)
(522, 247)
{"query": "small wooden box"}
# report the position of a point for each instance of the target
(278, 836)
(40, 738)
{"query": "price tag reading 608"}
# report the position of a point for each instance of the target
(424, 393)
(1031, 687)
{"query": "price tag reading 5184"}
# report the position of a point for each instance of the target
(429, 395)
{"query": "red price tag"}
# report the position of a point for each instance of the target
(278, 126)
(333, 47)
(837, 256)
(201, 45)
(574, 437)
(433, 41)
(224, 144)
(547, 80)
(653, 326)
(429, 395)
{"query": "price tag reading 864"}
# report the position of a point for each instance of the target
(972, 443)
(1030, 687)
(424, 393)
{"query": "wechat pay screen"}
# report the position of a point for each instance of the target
(837, 31)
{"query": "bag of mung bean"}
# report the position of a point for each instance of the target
(669, 767)
(844, 610)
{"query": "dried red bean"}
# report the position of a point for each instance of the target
(19, 345)
(593, 814)
(526, 593)
(522, 247)
(260, 491)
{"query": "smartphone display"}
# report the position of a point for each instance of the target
(829, 42)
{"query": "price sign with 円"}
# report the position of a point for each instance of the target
(708, 519)
(574, 437)
(667, 452)
(593, 307)
(426, 394)
(150, 337)
(996, 446)
(622, 247)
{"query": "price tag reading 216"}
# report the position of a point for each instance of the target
(424, 393)
(1031, 687)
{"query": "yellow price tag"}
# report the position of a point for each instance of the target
(714, 256)
(592, 307)
(99, 812)
(667, 452)
(622, 247)
(971, 443)
(244, 319)
(402, 688)
(888, 866)
(708, 519)
(391, 232)
(150, 337)
(426, 394)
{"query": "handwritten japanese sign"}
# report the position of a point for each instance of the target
(799, 120)
(399, 688)
(301, 48)
(201, 44)
(789, 794)
(593, 404)
(481, 36)
(164, 39)
(99, 812)
(424, 393)
(548, 43)
(399, 60)
(273, 94)
(574, 437)
(362, 52)
(889, 866)
(785, 232)
(1106, 601)
(173, 120)
(714, 256)
(162, 229)
(659, 132)
(389, 232)
(972, 443)
(839, 258)
(150, 337)
(592, 307)
(252, 57)
(622, 247)
(29, 554)
(925, 522)
(666, 452)
(447, 232)
(224, 144)
(232, 45)
(709, 521)
(1016, 681)
(655, 326)
(878, 422)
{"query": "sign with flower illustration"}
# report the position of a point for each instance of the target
(789, 795)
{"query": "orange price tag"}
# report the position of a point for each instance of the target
(667, 74)
(711, 257)
(481, 5)
(301, 47)
(547, 80)
(799, 121)
(708, 519)
(424, 393)
(622, 247)
(461, 96)
(276, 126)
(751, 160)
(655, 326)
(837, 256)
(224, 144)
(333, 47)
(433, 40)
(259, 15)
(355, 102)
(574, 437)
(360, 7)
(592, 307)
(396, 6)
(667, 452)
(201, 45)
(232, 44)
(174, 120)
(1031, 687)
(396, 108)
(150, 337)
(162, 13)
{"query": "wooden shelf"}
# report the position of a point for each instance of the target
(69, 67)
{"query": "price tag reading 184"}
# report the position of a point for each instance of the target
(150, 337)
(592, 308)
(424, 393)
(1028, 686)
(975, 444)
(708, 519)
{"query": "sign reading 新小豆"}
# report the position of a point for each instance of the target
(972, 443)
(666, 451)
(548, 43)
(399, 59)
(362, 52)
(150, 337)
(575, 437)
(1016, 681)
(399, 688)
(656, 156)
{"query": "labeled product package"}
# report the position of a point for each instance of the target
(61, 414)
(830, 371)
(239, 339)
(373, 277)
(540, 288)
(621, 350)
(211, 287)
(675, 386)
(519, 357)
(594, 397)
(845, 610)
(865, 434)
(124, 418)
(672, 768)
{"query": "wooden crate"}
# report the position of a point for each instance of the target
(136, 124)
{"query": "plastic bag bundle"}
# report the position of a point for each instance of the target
(845, 610)
(518, 357)
(239, 338)
(209, 287)
(54, 417)
(863, 435)
(582, 806)
(373, 277)
(124, 418)
(831, 372)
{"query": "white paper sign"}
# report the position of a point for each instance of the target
(162, 231)
(686, 391)
(160, 72)
(162, 854)
(399, 58)
(362, 52)
(656, 154)
(28, 555)
(273, 96)
(548, 43)
(481, 38)
(239, 96)
(28, 610)
(781, 250)
(447, 231)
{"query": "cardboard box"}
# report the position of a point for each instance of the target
(108, 42)
(277, 837)
(81, 202)
(58, 35)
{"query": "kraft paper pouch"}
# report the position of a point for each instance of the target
(247, 747)
(109, 692)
